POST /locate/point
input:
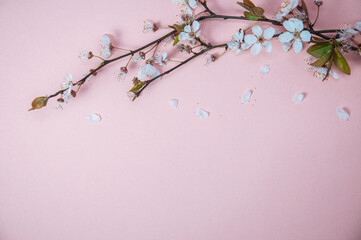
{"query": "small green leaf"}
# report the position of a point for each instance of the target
(244, 5)
(322, 60)
(341, 62)
(249, 16)
(319, 49)
(257, 11)
(137, 87)
(176, 40)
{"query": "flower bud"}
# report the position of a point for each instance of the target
(142, 55)
(124, 70)
(73, 93)
(318, 3)
(94, 73)
(38, 103)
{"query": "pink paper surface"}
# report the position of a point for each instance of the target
(270, 169)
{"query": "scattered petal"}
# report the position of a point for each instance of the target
(94, 117)
(264, 69)
(246, 97)
(173, 103)
(342, 114)
(298, 98)
(202, 113)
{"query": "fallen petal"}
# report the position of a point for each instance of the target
(94, 117)
(173, 102)
(202, 113)
(298, 98)
(246, 97)
(342, 114)
(264, 69)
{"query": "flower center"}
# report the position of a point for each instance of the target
(261, 39)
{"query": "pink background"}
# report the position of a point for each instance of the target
(270, 169)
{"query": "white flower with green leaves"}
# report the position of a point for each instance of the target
(190, 33)
(257, 40)
(295, 35)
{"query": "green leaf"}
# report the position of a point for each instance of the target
(249, 16)
(322, 60)
(319, 49)
(244, 5)
(329, 66)
(257, 11)
(137, 87)
(341, 62)
(176, 40)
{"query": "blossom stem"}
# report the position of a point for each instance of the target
(318, 14)
(155, 46)
(130, 58)
(122, 49)
(98, 57)
(171, 60)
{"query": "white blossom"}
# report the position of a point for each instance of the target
(122, 73)
(256, 40)
(347, 33)
(285, 9)
(161, 58)
(294, 36)
(149, 27)
(67, 86)
(83, 54)
(236, 44)
(190, 32)
(148, 70)
(320, 72)
(210, 58)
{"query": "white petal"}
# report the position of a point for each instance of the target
(238, 36)
(193, 4)
(246, 97)
(294, 4)
(269, 33)
(105, 53)
(256, 48)
(105, 41)
(298, 98)
(196, 26)
(305, 36)
(264, 69)
(202, 113)
(245, 46)
(289, 25)
(198, 33)
(233, 45)
(257, 30)
(183, 36)
(187, 29)
(250, 39)
(358, 26)
(94, 117)
(268, 46)
(173, 102)
(297, 46)
(342, 114)
(285, 37)
(69, 77)
(297, 23)
(286, 46)
(333, 74)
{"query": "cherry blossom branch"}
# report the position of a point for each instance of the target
(208, 48)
